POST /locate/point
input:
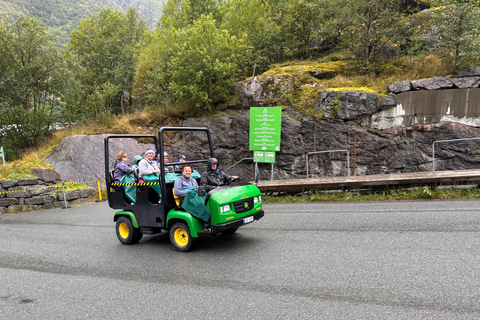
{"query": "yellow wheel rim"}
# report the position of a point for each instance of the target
(123, 230)
(181, 237)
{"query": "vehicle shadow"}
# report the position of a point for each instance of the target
(233, 242)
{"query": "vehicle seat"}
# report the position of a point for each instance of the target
(176, 198)
(136, 174)
(112, 180)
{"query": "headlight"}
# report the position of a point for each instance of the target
(225, 208)
(255, 199)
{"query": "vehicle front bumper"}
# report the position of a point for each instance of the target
(219, 228)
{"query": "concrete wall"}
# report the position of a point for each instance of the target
(429, 106)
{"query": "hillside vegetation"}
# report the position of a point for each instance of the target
(62, 16)
(115, 68)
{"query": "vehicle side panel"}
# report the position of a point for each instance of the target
(128, 214)
(194, 224)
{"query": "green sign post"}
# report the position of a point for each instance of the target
(2, 155)
(265, 133)
(265, 128)
(261, 156)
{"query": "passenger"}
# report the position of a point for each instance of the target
(156, 155)
(136, 159)
(121, 167)
(214, 177)
(181, 158)
(148, 171)
(165, 161)
(185, 183)
(148, 165)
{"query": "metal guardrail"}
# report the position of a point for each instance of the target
(233, 165)
(256, 168)
(330, 151)
(452, 140)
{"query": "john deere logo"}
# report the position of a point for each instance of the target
(245, 204)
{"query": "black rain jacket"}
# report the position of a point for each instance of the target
(214, 178)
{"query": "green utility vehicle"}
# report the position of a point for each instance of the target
(151, 207)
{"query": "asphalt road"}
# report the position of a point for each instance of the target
(374, 260)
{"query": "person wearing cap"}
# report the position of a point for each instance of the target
(214, 177)
(148, 171)
(181, 158)
(148, 165)
(156, 153)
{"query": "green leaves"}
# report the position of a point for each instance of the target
(31, 82)
(195, 65)
(456, 29)
(106, 47)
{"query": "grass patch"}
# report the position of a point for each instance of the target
(390, 195)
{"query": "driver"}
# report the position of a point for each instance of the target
(214, 177)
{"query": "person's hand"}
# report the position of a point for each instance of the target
(234, 177)
(156, 171)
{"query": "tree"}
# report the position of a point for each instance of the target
(106, 47)
(456, 29)
(370, 27)
(204, 63)
(302, 23)
(253, 21)
(29, 59)
(194, 66)
(31, 82)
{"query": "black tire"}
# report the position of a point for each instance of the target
(126, 233)
(229, 232)
(180, 237)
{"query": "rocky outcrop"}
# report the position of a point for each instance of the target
(432, 83)
(469, 78)
(351, 105)
(343, 105)
(407, 149)
(371, 151)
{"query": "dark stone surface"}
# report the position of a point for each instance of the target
(34, 200)
(27, 182)
(18, 192)
(322, 74)
(46, 175)
(472, 72)
(399, 87)
(9, 183)
(432, 83)
(353, 104)
(387, 102)
(468, 82)
(5, 202)
(37, 190)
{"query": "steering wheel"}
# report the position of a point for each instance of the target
(232, 180)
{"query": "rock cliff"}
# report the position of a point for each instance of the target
(372, 151)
